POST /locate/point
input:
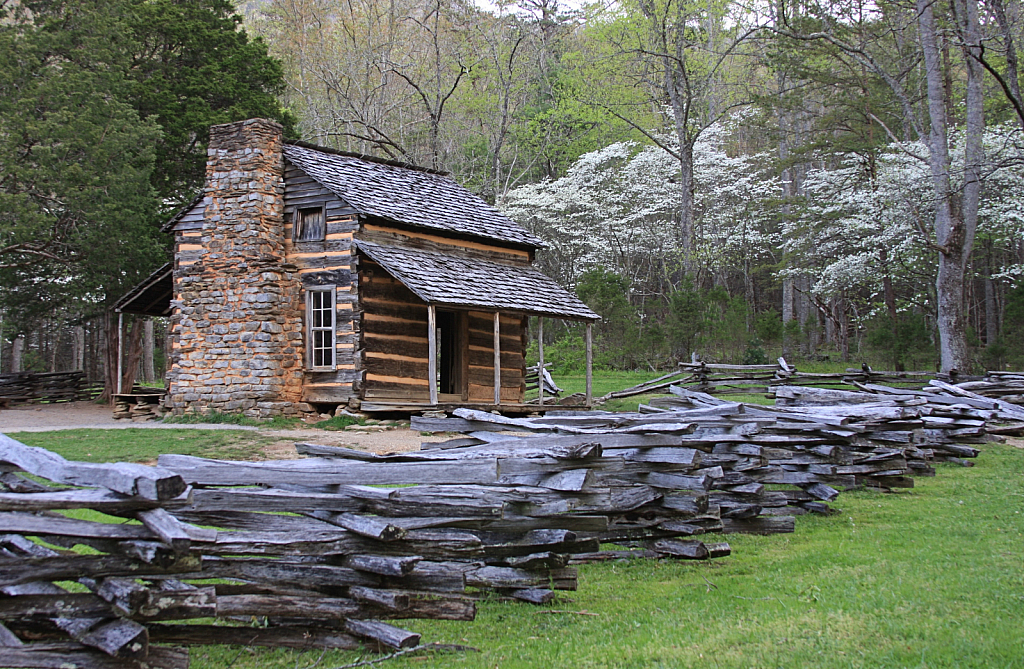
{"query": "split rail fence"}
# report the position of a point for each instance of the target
(327, 550)
(738, 379)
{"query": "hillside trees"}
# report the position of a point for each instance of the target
(954, 213)
(676, 54)
(104, 111)
(485, 95)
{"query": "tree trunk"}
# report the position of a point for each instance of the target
(79, 355)
(133, 354)
(111, 354)
(844, 328)
(53, 344)
(787, 315)
(686, 231)
(1010, 52)
(889, 295)
(991, 312)
(955, 222)
(148, 344)
(17, 351)
(830, 323)
(801, 300)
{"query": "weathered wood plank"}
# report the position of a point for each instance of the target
(382, 564)
(126, 478)
(382, 633)
(71, 567)
(323, 471)
(299, 637)
(65, 655)
(105, 501)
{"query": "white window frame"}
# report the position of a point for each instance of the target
(312, 330)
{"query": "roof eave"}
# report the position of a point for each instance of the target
(169, 225)
(520, 246)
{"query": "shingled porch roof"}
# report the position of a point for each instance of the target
(445, 280)
(151, 297)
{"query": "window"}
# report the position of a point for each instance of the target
(320, 318)
(310, 224)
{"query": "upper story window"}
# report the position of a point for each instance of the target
(310, 224)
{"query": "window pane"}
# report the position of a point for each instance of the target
(317, 309)
(321, 349)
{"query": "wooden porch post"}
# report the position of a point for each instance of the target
(120, 348)
(590, 363)
(540, 362)
(432, 353)
(497, 358)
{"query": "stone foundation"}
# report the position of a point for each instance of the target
(237, 311)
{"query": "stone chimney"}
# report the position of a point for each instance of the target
(237, 323)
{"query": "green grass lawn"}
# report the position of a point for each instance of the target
(930, 577)
(146, 445)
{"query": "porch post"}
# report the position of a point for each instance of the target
(120, 348)
(590, 363)
(432, 353)
(540, 362)
(497, 358)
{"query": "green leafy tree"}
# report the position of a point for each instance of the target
(192, 66)
(607, 293)
(1012, 336)
(687, 318)
(76, 206)
(905, 343)
(768, 325)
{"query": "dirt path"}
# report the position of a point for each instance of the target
(79, 415)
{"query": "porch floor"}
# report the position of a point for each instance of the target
(384, 405)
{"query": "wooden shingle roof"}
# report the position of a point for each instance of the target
(438, 278)
(415, 197)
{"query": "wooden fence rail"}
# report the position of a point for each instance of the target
(323, 560)
(36, 386)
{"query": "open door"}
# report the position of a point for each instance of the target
(451, 355)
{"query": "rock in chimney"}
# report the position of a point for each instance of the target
(237, 323)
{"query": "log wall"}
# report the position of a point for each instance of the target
(328, 262)
(395, 350)
(394, 337)
(481, 357)
(394, 326)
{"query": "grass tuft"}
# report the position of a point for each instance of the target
(339, 423)
(219, 418)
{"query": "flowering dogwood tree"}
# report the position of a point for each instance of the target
(618, 208)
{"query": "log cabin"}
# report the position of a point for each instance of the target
(306, 278)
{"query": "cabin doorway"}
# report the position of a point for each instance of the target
(451, 355)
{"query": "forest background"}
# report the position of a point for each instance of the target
(840, 180)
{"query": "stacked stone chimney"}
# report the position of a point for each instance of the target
(237, 319)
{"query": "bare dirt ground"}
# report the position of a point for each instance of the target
(79, 415)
